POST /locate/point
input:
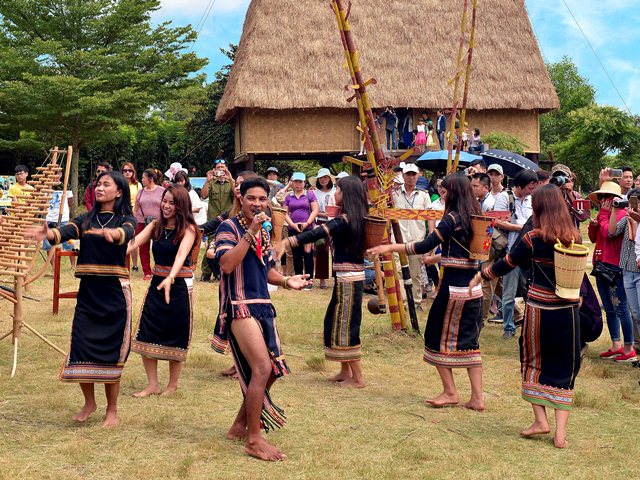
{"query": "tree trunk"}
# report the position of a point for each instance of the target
(75, 162)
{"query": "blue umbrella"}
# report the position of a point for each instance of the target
(436, 161)
(510, 162)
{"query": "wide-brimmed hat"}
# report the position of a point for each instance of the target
(342, 175)
(323, 172)
(174, 168)
(607, 188)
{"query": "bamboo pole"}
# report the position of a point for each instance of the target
(17, 322)
(382, 299)
(463, 112)
(456, 91)
(41, 337)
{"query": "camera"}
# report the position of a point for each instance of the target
(559, 179)
(219, 173)
(620, 203)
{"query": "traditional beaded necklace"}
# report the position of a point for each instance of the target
(263, 238)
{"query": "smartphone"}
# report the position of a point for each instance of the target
(615, 173)
(633, 202)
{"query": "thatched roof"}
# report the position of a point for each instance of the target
(291, 56)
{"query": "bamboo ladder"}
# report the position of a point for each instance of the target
(18, 254)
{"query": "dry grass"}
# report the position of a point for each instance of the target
(383, 431)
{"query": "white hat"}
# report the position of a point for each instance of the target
(342, 175)
(496, 167)
(173, 169)
(323, 172)
(410, 167)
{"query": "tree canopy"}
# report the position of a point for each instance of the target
(76, 70)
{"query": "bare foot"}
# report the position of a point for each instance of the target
(560, 442)
(237, 432)
(169, 391)
(147, 392)
(477, 405)
(110, 419)
(263, 450)
(536, 428)
(235, 376)
(229, 371)
(84, 414)
(340, 377)
(351, 382)
(443, 400)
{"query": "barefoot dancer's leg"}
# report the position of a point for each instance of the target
(89, 402)
(251, 343)
(229, 372)
(111, 391)
(476, 402)
(540, 425)
(151, 368)
(345, 373)
(357, 378)
(174, 375)
(449, 395)
(562, 418)
(238, 430)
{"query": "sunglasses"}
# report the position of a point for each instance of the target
(220, 160)
(125, 170)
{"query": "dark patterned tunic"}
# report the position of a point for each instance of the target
(101, 329)
(344, 314)
(550, 341)
(455, 318)
(244, 294)
(164, 331)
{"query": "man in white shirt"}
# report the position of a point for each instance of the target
(480, 184)
(409, 197)
(523, 185)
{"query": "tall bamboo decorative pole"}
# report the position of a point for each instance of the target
(378, 157)
(456, 92)
(463, 112)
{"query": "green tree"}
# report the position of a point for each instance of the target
(574, 92)
(504, 141)
(596, 132)
(76, 70)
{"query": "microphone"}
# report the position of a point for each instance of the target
(266, 224)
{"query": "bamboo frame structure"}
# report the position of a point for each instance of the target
(17, 253)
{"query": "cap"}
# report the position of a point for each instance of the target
(410, 167)
(560, 168)
(342, 175)
(298, 176)
(273, 169)
(496, 167)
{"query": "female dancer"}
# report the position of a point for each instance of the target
(101, 328)
(325, 190)
(164, 331)
(455, 319)
(147, 208)
(345, 234)
(550, 341)
(129, 172)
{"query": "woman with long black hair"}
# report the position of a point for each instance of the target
(101, 328)
(455, 318)
(345, 235)
(550, 341)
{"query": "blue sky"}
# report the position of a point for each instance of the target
(611, 26)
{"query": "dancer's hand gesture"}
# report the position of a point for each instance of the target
(298, 282)
(166, 286)
(36, 233)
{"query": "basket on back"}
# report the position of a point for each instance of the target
(375, 229)
(277, 220)
(482, 229)
(569, 266)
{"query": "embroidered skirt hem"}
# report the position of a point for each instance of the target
(159, 352)
(459, 359)
(90, 373)
(342, 322)
(547, 396)
(344, 354)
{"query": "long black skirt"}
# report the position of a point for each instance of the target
(164, 330)
(550, 355)
(453, 328)
(342, 322)
(101, 331)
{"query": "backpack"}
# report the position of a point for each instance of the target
(500, 238)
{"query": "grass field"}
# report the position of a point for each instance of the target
(383, 431)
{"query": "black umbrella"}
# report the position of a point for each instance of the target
(510, 162)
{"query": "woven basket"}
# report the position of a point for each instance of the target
(569, 265)
(332, 211)
(277, 220)
(374, 228)
(482, 228)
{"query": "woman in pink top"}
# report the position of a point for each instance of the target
(607, 251)
(147, 208)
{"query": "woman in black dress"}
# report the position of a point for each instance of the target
(550, 342)
(164, 331)
(101, 328)
(345, 236)
(455, 318)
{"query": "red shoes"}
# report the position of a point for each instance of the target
(626, 357)
(611, 353)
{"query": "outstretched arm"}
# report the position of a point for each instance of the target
(186, 244)
(143, 237)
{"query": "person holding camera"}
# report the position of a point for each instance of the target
(606, 269)
(146, 210)
(565, 179)
(218, 191)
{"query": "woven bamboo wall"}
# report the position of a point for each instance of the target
(333, 130)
